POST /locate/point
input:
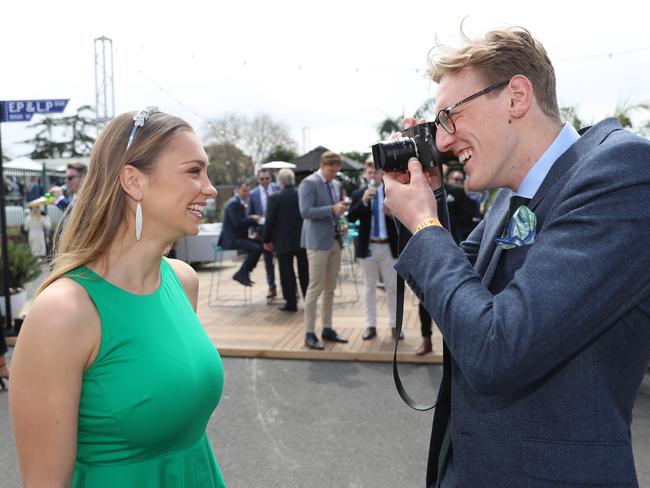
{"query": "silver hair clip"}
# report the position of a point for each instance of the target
(140, 119)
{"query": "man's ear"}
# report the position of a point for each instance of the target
(521, 96)
(132, 181)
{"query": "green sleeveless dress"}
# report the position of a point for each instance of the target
(146, 399)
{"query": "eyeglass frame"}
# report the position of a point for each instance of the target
(71, 177)
(447, 110)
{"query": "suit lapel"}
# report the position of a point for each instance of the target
(489, 253)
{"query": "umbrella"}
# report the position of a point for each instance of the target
(278, 165)
(311, 161)
(24, 164)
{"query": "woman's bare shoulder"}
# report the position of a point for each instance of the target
(63, 307)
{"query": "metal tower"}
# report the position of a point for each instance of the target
(104, 88)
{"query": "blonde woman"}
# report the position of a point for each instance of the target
(113, 377)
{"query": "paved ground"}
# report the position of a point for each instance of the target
(289, 424)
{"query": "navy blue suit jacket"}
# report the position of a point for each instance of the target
(255, 203)
(549, 342)
(235, 223)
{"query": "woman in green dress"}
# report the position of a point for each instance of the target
(113, 377)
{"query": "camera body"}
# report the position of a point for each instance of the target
(418, 142)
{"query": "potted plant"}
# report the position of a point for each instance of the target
(23, 268)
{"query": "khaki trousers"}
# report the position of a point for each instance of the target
(323, 270)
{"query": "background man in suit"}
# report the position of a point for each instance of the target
(376, 246)
(74, 178)
(464, 212)
(282, 235)
(234, 232)
(548, 327)
(257, 203)
(321, 205)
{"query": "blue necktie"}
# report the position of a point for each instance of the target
(375, 216)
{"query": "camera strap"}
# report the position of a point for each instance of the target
(403, 235)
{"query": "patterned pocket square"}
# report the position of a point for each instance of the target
(521, 230)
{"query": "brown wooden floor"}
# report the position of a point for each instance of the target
(256, 328)
(248, 326)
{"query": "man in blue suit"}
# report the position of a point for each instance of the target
(234, 232)
(546, 322)
(257, 203)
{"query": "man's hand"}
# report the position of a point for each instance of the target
(256, 218)
(57, 191)
(369, 194)
(339, 208)
(268, 246)
(410, 199)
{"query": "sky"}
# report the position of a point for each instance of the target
(330, 70)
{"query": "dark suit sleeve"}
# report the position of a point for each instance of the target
(357, 208)
(576, 280)
(238, 218)
(271, 216)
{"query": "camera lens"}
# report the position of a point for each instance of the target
(394, 155)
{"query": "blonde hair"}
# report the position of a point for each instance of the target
(499, 56)
(101, 209)
(287, 177)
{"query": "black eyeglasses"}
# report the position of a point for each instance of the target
(265, 178)
(444, 120)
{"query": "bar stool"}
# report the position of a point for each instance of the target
(215, 300)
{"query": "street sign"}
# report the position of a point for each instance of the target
(22, 110)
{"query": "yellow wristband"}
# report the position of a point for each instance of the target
(430, 222)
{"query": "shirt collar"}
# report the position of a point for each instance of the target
(535, 176)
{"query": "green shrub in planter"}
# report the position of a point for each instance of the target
(23, 267)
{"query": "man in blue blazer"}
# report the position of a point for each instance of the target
(257, 203)
(234, 232)
(546, 321)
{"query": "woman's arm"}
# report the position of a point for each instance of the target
(59, 339)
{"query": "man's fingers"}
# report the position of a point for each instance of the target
(415, 168)
(409, 122)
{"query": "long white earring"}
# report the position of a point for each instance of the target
(138, 221)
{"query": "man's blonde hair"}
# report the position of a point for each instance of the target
(330, 158)
(499, 56)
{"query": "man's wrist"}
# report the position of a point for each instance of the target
(428, 222)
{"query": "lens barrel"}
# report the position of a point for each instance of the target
(394, 155)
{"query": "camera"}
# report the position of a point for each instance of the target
(418, 142)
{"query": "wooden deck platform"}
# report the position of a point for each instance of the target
(242, 324)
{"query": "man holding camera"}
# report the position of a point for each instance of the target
(547, 323)
(321, 203)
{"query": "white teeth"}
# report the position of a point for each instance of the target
(196, 209)
(463, 157)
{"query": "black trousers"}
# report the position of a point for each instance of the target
(3, 341)
(425, 321)
(253, 252)
(288, 276)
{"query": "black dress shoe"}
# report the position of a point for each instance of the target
(312, 342)
(242, 279)
(330, 334)
(286, 308)
(394, 331)
(369, 333)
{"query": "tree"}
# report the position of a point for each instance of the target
(624, 112)
(227, 164)
(570, 115)
(256, 137)
(78, 132)
(281, 153)
(387, 126)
